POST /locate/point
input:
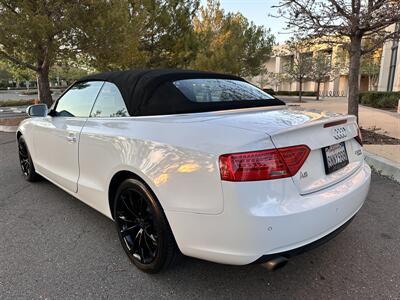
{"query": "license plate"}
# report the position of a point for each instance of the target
(335, 157)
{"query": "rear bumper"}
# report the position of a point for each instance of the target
(263, 219)
(305, 248)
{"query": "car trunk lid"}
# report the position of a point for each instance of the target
(323, 168)
(317, 130)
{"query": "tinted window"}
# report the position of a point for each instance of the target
(219, 90)
(109, 103)
(78, 100)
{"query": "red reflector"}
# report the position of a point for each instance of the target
(359, 137)
(263, 165)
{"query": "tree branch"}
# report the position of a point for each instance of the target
(340, 9)
(378, 42)
(17, 61)
(12, 9)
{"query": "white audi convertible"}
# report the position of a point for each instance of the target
(197, 163)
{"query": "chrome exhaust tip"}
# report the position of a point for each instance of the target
(275, 263)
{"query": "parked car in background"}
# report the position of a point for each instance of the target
(198, 163)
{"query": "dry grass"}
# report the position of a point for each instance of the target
(11, 121)
(4, 103)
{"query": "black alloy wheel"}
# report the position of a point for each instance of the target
(25, 160)
(142, 227)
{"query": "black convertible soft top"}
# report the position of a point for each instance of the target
(152, 92)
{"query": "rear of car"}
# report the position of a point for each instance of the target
(303, 187)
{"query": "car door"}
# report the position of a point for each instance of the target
(101, 146)
(56, 137)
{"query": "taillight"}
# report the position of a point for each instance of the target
(263, 165)
(359, 137)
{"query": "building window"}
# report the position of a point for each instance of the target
(393, 60)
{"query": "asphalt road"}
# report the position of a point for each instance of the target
(18, 94)
(12, 112)
(53, 246)
(14, 95)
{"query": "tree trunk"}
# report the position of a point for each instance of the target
(369, 83)
(354, 72)
(318, 89)
(44, 87)
(300, 90)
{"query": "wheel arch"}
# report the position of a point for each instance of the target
(117, 179)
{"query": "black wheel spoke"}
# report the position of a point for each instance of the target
(22, 150)
(152, 238)
(152, 253)
(134, 219)
(126, 230)
(121, 216)
(129, 209)
(137, 237)
(24, 158)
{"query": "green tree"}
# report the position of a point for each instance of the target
(33, 35)
(5, 74)
(167, 36)
(180, 43)
(17, 73)
(140, 33)
(36, 34)
(67, 72)
(229, 43)
(108, 37)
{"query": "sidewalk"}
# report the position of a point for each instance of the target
(384, 122)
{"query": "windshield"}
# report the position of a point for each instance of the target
(219, 90)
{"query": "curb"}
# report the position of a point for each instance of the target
(8, 128)
(383, 166)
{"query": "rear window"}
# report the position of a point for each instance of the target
(219, 90)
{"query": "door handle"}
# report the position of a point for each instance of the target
(71, 138)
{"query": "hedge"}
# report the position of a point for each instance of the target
(380, 99)
(296, 93)
(269, 91)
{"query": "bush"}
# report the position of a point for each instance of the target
(296, 93)
(380, 99)
(3, 84)
(269, 91)
(29, 92)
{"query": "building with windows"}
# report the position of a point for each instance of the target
(389, 79)
(336, 84)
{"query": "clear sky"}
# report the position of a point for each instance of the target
(257, 11)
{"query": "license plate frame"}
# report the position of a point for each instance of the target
(335, 157)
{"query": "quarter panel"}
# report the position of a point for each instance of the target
(178, 161)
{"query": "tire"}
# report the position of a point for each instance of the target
(25, 161)
(143, 229)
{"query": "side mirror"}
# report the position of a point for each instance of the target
(37, 110)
